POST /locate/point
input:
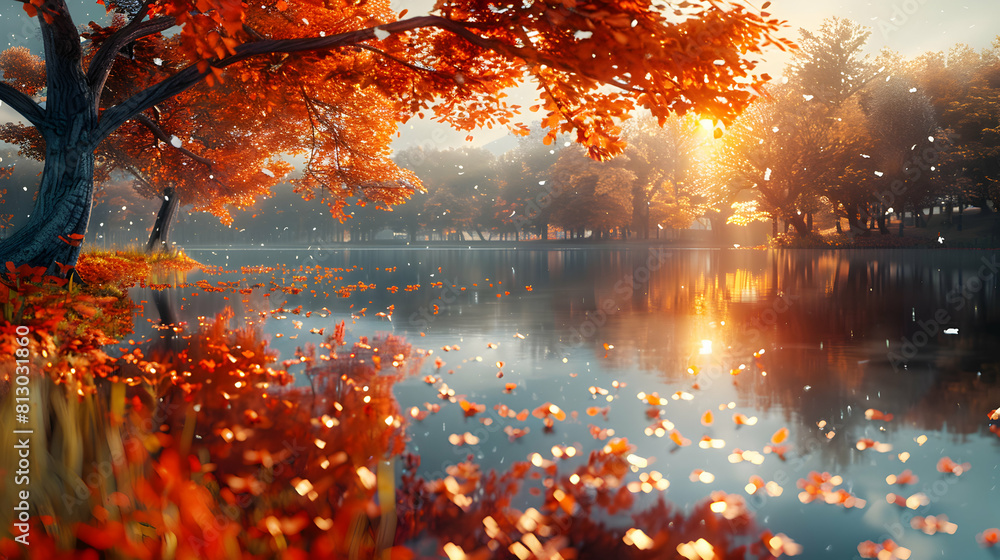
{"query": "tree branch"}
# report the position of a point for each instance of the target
(185, 79)
(23, 104)
(100, 65)
(178, 83)
(159, 133)
(395, 59)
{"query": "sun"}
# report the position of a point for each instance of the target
(707, 124)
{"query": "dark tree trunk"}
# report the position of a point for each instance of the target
(168, 319)
(880, 219)
(640, 208)
(68, 124)
(856, 222)
(62, 208)
(796, 221)
(159, 238)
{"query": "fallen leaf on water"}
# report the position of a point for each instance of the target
(677, 438)
(989, 537)
(872, 414)
(933, 524)
(779, 436)
(463, 439)
(946, 465)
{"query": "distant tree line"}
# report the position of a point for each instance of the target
(846, 139)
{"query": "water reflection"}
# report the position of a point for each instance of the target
(842, 332)
(848, 324)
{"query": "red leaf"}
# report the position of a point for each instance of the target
(64, 268)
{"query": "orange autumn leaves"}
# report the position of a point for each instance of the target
(277, 96)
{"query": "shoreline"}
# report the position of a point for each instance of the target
(550, 245)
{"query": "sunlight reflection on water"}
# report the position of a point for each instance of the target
(834, 326)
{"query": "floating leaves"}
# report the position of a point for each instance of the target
(471, 408)
(989, 537)
(823, 486)
(915, 501)
(730, 506)
(872, 414)
(933, 524)
(680, 440)
(463, 439)
(947, 465)
(757, 483)
(697, 550)
(780, 544)
(904, 478)
(515, 433)
(867, 443)
(886, 550)
(780, 436)
(648, 482)
(635, 537)
(701, 475)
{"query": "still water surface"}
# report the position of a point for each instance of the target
(912, 334)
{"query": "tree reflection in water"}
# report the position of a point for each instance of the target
(210, 448)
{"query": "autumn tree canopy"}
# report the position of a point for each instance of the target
(329, 81)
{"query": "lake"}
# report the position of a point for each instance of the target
(666, 346)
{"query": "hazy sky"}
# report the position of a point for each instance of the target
(908, 26)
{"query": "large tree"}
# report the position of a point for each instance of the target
(331, 79)
(779, 155)
(462, 186)
(525, 200)
(662, 158)
(590, 194)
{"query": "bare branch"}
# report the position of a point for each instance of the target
(159, 133)
(23, 104)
